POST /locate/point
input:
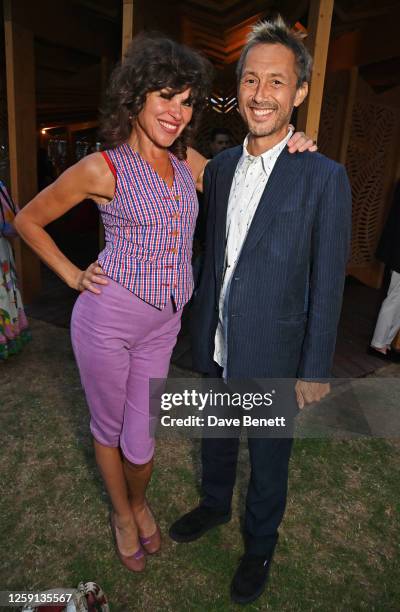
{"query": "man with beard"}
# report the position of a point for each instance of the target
(220, 139)
(270, 295)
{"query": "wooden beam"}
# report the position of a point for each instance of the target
(20, 69)
(127, 24)
(319, 28)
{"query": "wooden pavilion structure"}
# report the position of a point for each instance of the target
(56, 56)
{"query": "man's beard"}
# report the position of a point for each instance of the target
(259, 129)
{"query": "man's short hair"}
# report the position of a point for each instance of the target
(217, 131)
(274, 32)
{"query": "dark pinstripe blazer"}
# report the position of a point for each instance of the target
(286, 292)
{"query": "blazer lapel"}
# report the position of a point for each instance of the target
(223, 185)
(280, 183)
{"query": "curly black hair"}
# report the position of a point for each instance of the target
(151, 63)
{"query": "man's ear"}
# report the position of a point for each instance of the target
(301, 94)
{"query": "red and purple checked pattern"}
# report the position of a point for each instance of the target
(149, 229)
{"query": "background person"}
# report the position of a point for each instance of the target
(220, 139)
(14, 328)
(388, 251)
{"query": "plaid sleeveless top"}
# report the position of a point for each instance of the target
(149, 229)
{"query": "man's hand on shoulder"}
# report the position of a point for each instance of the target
(309, 392)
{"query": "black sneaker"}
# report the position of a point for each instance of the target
(194, 524)
(250, 578)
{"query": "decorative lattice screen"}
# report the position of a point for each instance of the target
(371, 153)
(220, 112)
(368, 158)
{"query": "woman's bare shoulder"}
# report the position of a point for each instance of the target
(94, 165)
(97, 173)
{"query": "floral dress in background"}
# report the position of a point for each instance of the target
(14, 330)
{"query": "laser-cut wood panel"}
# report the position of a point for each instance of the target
(372, 151)
(373, 147)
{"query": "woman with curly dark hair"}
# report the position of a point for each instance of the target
(144, 183)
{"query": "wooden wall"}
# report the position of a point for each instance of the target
(362, 130)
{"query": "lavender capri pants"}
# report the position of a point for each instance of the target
(120, 342)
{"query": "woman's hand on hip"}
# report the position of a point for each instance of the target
(89, 278)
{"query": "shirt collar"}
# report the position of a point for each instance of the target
(268, 155)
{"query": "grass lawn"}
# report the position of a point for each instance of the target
(339, 544)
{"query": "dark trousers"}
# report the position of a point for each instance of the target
(267, 489)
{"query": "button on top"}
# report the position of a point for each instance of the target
(175, 233)
(174, 251)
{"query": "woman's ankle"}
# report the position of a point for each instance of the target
(124, 520)
(139, 507)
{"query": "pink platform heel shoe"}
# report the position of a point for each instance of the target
(152, 544)
(135, 562)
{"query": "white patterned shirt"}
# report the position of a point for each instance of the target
(250, 179)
